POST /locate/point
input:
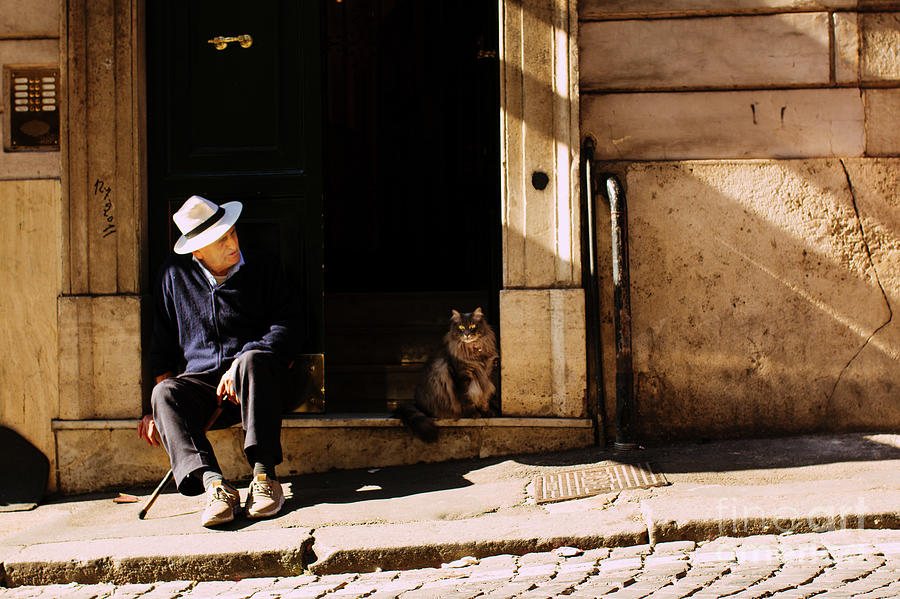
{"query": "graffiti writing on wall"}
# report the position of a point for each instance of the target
(104, 192)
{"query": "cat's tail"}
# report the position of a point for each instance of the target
(418, 421)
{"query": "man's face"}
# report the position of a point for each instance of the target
(221, 254)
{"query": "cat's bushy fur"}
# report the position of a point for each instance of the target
(457, 381)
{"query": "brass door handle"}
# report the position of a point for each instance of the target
(221, 42)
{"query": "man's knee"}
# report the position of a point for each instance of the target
(261, 371)
(163, 394)
(253, 360)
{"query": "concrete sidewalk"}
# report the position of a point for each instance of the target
(423, 515)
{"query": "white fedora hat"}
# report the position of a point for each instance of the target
(202, 222)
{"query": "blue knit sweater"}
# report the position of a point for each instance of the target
(201, 328)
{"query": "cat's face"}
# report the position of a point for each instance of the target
(468, 327)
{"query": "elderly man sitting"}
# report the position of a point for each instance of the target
(226, 321)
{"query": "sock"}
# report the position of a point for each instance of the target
(261, 468)
(211, 476)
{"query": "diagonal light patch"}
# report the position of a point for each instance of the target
(846, 321)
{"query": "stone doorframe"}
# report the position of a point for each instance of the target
(104, 218)
(542, 304)
(104, 182)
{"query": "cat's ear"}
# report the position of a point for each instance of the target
(477, 313)
(454, 315)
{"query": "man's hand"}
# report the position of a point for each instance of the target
(147, 427)
(225, 390)
(148, 432)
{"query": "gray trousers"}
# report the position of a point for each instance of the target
(183, 405)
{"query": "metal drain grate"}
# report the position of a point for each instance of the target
(575, 484)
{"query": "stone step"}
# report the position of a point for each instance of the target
(381, 345)
(377, 343)
(370, 388)
(312, 443)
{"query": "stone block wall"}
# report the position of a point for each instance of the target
(757, 142)
(30, 229)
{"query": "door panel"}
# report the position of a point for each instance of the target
(241, 123)
(238, 105)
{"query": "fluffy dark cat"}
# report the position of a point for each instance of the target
(457, 379)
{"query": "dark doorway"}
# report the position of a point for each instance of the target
(240, 122)
(387, 109)
(412, 144)
(412, 159)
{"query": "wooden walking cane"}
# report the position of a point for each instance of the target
(168, 477)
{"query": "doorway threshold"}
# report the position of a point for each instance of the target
(311, 443)
(351, 420)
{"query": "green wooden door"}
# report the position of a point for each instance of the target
(240, 123)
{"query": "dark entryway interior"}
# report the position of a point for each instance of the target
(411, 144)
(383, 115)
(412, 223)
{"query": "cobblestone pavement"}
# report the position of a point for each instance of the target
(862, 564)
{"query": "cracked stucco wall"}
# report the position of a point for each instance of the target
(759, 157)
(762, 296)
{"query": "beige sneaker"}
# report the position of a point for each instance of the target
(222, 504)
(264, 498)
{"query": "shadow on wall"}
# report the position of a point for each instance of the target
(684, 102)
(762, 295)
(781, 50)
